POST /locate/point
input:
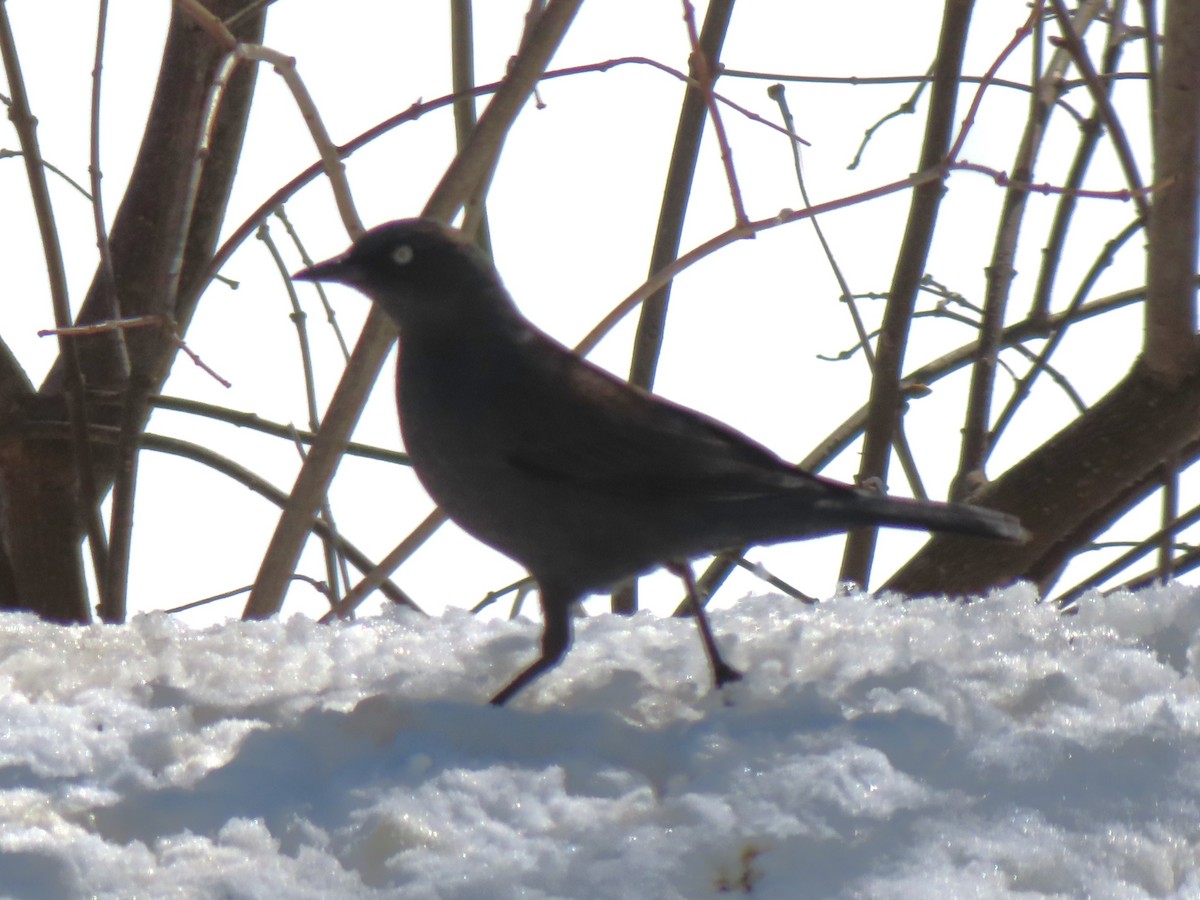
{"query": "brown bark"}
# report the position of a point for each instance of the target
(1063, 492)
(41, 514)
(1173, 231)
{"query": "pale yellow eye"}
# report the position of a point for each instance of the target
(403, 255)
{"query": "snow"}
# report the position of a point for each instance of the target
(876, 748)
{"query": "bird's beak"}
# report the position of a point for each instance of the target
(338, 269)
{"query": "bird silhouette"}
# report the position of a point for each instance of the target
(580, 477)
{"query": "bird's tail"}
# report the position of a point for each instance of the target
(869, 508)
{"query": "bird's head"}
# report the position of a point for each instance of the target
(419, 271)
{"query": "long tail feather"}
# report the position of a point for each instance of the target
(956, 518)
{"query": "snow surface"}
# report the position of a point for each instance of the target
(885, 749)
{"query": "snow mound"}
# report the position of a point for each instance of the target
(899, 749)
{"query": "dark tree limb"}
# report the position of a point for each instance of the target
(652, 320)
(885, 402)
(1068, 489)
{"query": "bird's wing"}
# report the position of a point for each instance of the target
(612, 437)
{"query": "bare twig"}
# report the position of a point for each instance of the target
(907, 108)
(1125, 560)
(462, 68)
(703, 74)
(276, 429)
(1104, 108)
(1065, 211)
(1025, 384)
(330, 312)
(319, 586)
(53, 169)
(156, 320)
(332, 566)
(379, 574)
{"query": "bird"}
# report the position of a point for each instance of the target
(579, 476)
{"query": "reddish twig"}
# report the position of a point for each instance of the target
(705, 79)
(136, 322)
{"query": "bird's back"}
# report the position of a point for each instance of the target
(569, 470)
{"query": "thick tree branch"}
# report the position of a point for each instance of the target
(1171, 262)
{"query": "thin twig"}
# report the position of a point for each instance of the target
(462, 70)
(1064, 213)
(53, 169)
(1125, 560)
(277, 429)
(319, 586)
(522, 584)
(154, 319)
(702, 72)
(336, 572)
(1074, 45)
(777, 93)
(1169, 513)
(379, 574)
(330, 312)
(1025, 385)
(907, 108)
(333, 565)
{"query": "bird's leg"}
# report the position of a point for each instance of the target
(556, 638)
(723, 673)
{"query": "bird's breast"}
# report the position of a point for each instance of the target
(453, 413)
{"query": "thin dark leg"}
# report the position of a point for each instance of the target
(723, 673)
(556, 638)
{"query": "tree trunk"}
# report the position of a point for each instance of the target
(1063, 491)
(42, 513)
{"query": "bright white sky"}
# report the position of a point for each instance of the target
(573, 212)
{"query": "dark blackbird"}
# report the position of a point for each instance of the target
(580, 477)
